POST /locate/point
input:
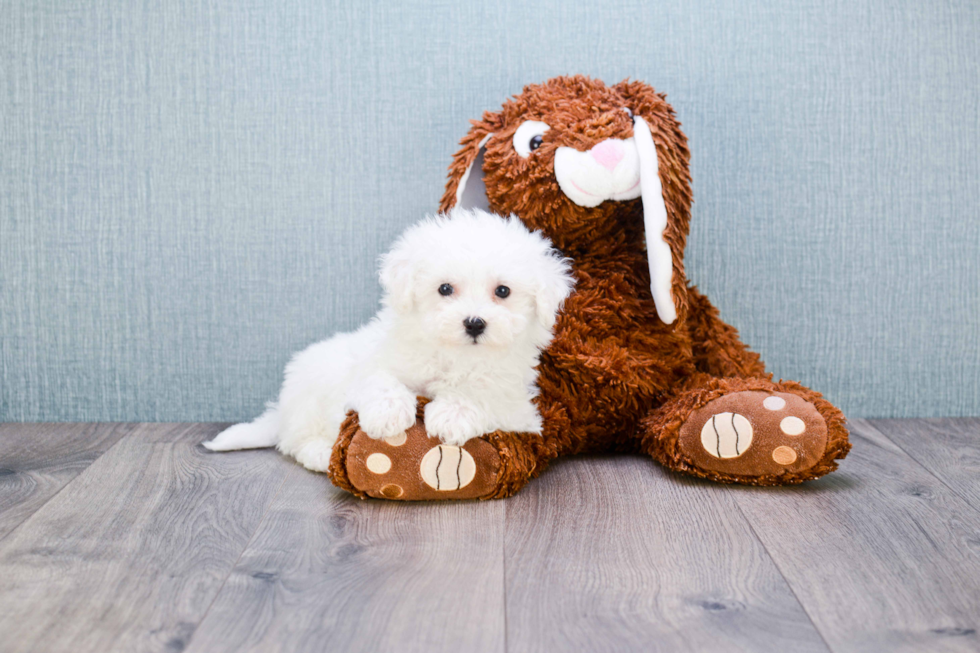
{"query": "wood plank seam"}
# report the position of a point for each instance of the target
(503, 570)
(234, 565)
(882, 553)
(779, 569)
(317, 540)
(967, 500)
(598, 567)
(149, 508)
(27, 518)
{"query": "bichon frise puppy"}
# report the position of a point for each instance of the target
(470, 300)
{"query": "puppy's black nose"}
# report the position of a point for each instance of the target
(474, 326)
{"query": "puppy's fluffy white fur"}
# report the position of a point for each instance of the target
(418, 344)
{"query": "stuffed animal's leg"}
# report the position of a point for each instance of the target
(751, 431)
(717, 348)
(414, 466)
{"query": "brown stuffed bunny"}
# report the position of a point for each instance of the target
(641, 361)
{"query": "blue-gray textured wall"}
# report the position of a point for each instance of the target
(190, 191)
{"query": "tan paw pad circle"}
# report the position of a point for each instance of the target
(784, 455)
(397, 440)
(447, 467)
(726, 435)
(774, 403)
(392, 491)
(792, 426)
(378, 463)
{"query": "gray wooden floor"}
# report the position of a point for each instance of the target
(130, 537)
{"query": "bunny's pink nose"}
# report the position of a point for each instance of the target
(608, 153)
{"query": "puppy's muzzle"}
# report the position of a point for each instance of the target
(474, 326)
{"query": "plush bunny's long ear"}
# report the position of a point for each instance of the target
(471, 193)
(465, 188)
(665, 192)
(654, 222)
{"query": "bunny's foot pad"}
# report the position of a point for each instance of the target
(753, 433)
(415, 467)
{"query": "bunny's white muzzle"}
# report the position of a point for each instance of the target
(609, 171)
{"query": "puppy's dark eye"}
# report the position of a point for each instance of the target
(445, 290)
(502, 291)
(535, 144)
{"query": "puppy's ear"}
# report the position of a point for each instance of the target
(465, 188)
(397, 275)
(555, 284)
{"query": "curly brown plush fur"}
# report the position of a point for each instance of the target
(616, 377)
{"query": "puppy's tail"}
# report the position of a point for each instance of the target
(263, 431)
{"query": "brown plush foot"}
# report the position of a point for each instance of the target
(755, 433)
(413, 467)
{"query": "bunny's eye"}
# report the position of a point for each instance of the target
(529, 137)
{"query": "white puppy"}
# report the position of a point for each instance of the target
(470, 299)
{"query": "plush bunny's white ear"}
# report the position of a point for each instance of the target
(654, 222)
(472, 192)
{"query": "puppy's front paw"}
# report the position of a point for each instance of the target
(452, 422)
(315, 455)
(388, 416)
